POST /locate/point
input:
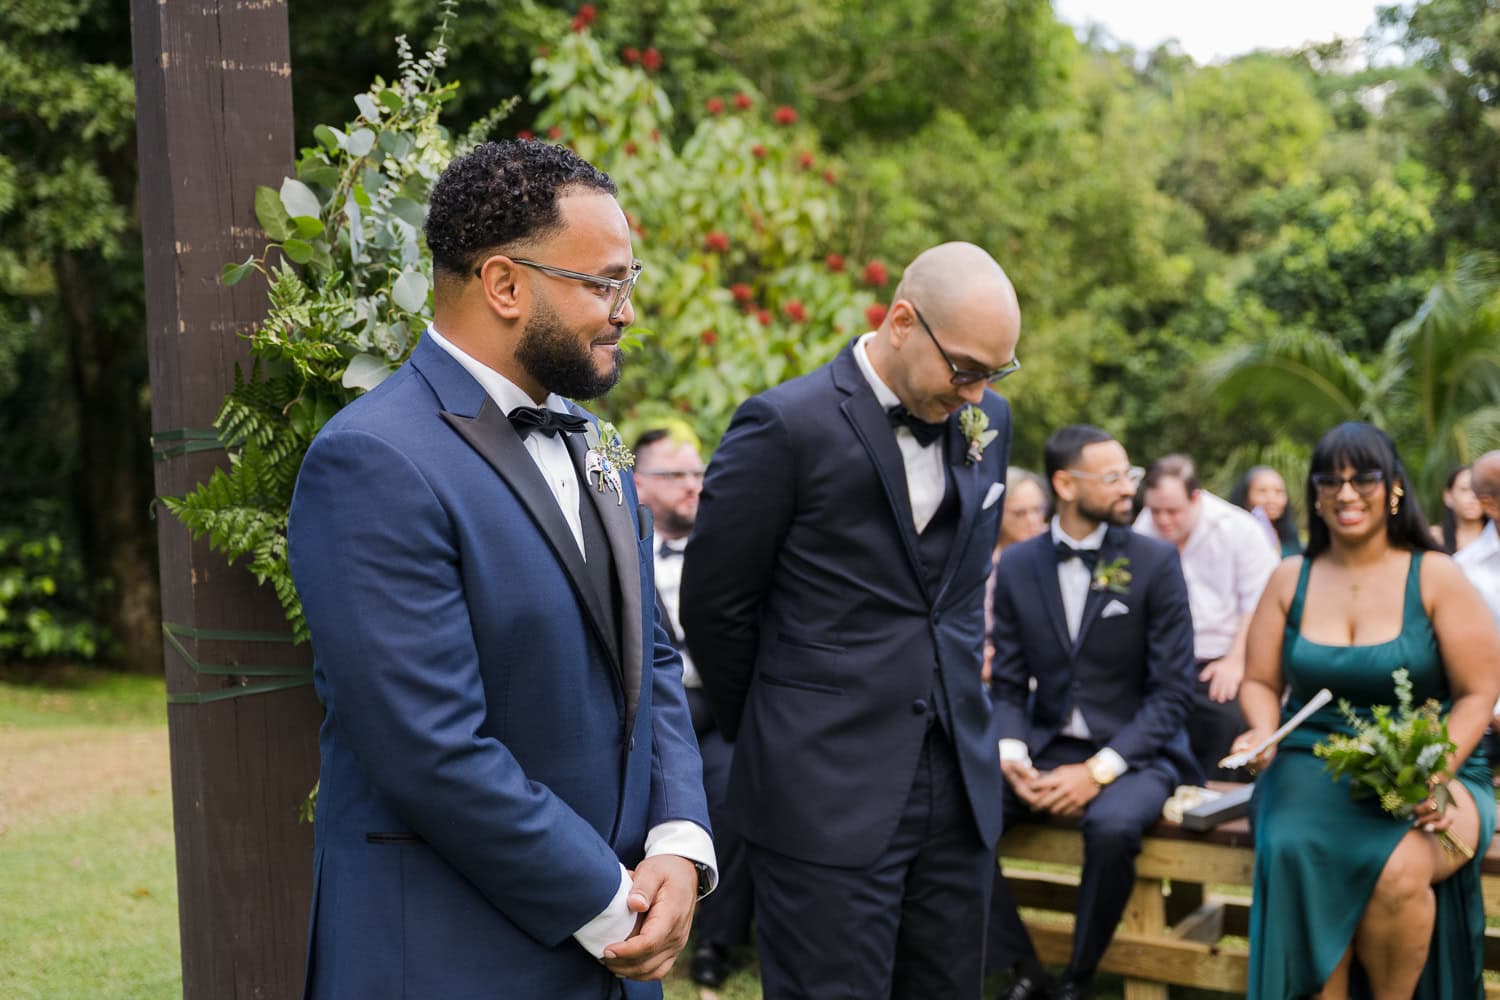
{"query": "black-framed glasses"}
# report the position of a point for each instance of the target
(620, 287)
(1365, 483)
(967, 376)
(1132, 475)
(674, 475)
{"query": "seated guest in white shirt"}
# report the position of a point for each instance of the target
(1227, 560)
(1480, 560)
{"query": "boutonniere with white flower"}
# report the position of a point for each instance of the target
(1113, 576)
(607, 458)
(975, 424)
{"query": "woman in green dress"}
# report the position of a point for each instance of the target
(1350, 901)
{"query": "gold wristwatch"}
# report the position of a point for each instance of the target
(1100, 771)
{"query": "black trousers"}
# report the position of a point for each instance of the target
(723, 916)
(908, 927)
(1113, 825)
(1212, 727)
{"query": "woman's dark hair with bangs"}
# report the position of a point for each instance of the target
(1363, 447)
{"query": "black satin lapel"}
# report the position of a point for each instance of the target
(491, 435)
(874, 430)
(1113, 547)
(1045, 567)
(620, 530)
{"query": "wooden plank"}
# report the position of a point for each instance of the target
(1490, 887)
(1145, 916)
(1161, 960)
(1173, 858)
(214, 118)
(1204, 925)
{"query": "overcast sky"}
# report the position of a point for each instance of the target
(1215, 29)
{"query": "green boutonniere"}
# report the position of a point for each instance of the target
(1113, 576)
(607, 458)
(975, 424)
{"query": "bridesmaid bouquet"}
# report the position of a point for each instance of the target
(1395, 757)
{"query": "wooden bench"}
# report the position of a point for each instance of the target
(1176, 929)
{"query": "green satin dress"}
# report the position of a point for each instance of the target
(1318, 851)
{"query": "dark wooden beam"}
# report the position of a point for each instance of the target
(214, 107)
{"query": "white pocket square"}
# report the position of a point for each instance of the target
(992, 496)
(1113, 610)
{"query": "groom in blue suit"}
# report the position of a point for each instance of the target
(833, 600)
(511, 802)
(1092, 681)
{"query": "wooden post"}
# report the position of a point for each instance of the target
(214, 118)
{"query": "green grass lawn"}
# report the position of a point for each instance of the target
(74, 696)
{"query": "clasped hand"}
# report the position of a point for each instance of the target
(1063, 791)
(663, 894)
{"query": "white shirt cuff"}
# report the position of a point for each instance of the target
(1015, 750)
(615, 924)
(681, 837)
(685, 839)
(1113, 761)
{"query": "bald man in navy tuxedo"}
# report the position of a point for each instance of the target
(833, 600)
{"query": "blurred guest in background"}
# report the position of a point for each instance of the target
(1263, 489)
(1027, 501)
(1463, 519)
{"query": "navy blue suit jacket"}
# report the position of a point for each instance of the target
(809, 613)
(494, 746)
(1130, 674)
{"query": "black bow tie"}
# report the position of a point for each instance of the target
(924, 432)
(667, 549)
(526, 419)
(1089, 557)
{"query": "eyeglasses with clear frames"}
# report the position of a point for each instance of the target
(620, 287)
(673, 475)
(967, 376)
(1133, 475)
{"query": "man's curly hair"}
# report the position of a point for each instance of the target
(500, 194)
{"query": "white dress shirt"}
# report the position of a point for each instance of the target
(926, 479)
(669, 586)
(1480, 561)
(680, 837)
(1227, 561)
(1073, 582)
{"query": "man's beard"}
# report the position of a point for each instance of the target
(1104, 515)
(553, 355)
(677, 523)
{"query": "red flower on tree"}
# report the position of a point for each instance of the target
(651, 60)
(588, 12)
(835, 262)
(830, 177)
(742, 101)
(784, 115)
(874, 314)
(764, 316)
(716, 241)
(795, 311)
(631, 55)
(525, 133)
(758, 151)
(875, 274)
(631, 149)
(741, 292)
(715, 105)
(554, 132)
(709, 337)
(579, 24)
(805, 160)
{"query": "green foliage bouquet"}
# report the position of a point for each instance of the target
(1396, 757)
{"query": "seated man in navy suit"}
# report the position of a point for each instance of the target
(1097, 617)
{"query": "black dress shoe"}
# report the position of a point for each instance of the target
(1071, 989)
(1025, 988)
(710, 965)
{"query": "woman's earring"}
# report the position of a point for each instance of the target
(1396, 494)
(1317, 507)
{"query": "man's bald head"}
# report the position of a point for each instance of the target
(951, 279)
(1484, 476)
